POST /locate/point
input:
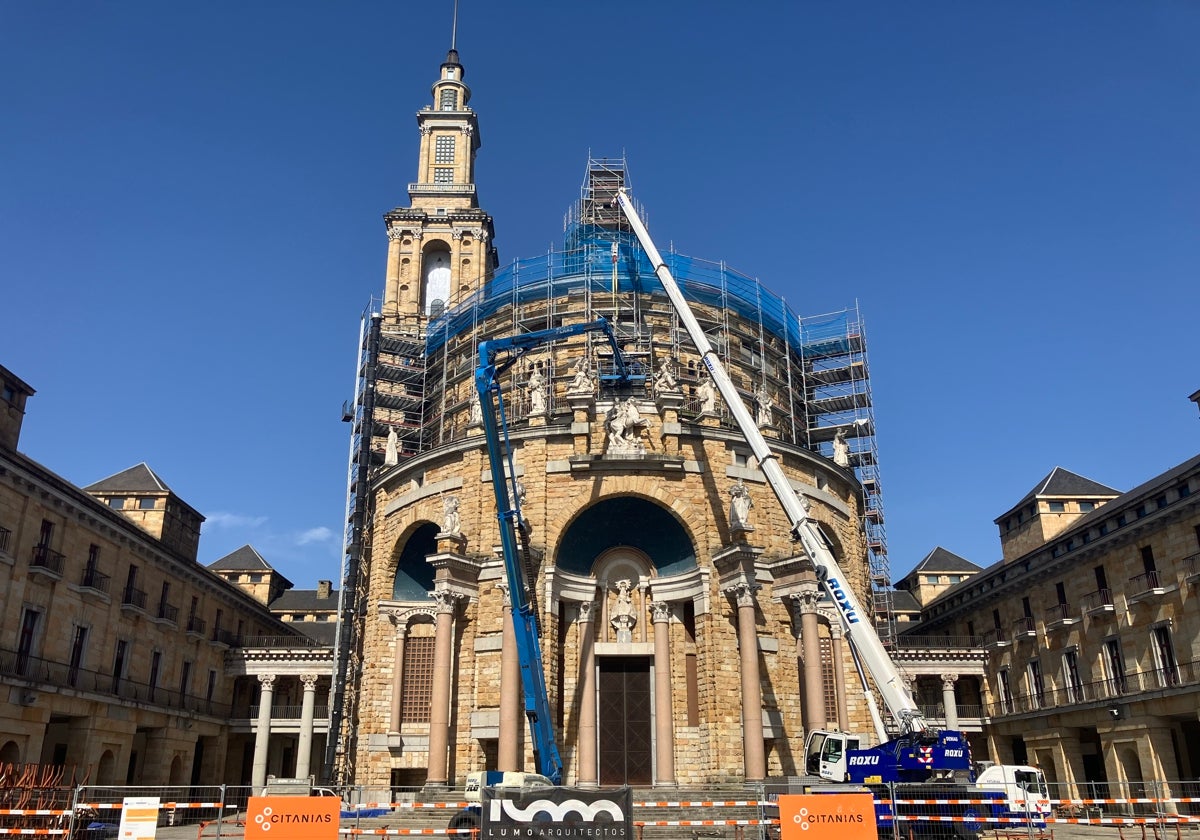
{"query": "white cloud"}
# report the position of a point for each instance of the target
(315, 535)
(222, 519)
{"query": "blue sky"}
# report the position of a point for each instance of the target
(191, 200)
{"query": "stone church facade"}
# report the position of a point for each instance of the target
(683, 635)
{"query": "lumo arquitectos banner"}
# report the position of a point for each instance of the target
(557, 814)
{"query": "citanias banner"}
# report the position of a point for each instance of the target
(827, 816)
(293, 817)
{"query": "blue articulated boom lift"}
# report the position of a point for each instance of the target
(495, 357)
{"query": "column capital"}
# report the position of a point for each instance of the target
(309, 681)
(267, 681)
(660, 611)
(948, 680)
(743, 593)
(445, 601)
(395, 233)
(806, 598)
(504, 590)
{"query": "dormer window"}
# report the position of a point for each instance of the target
(449, 99)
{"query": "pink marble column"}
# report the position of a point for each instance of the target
(664, 724)
(439, 703)
(508, 755)
(586, 768)
(752, 716)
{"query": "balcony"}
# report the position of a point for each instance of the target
(1060, 616)
(1144, 587)
(95, 580)
(1127, 686)
(1098, 603)
(133, 599)
(995, 638)
(47, 561)
(49, 673)
(1191, 567)
(167, 613)
(196, 626)
(1024, 628)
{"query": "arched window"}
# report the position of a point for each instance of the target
(435, 286)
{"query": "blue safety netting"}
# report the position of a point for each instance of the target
(589, 260)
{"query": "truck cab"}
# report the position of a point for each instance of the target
(825, 753)
(1022, 786)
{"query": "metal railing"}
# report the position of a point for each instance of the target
(1059, 613)
(938, 642)
(197, 625)
(1094, 601)
(54, 674)
(995, 636)
(133, 597)
(1024, 626)
(1143, 583)
(46, 558)
(92, 578)
(290, 712)
(168, 612)
(1122, 686)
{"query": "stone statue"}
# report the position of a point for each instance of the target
(451, 521)
(841, 449)
(536, 386)
(625, 427)
(707, 396)
(476, 418)
(762, 398)
(739, 507)
(583, 383)
(624, 617)
(391, 456)
(664, 378)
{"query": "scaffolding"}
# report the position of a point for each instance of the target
(814, 369)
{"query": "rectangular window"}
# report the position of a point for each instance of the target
(78, 645)
(1148, 559)
(1005, 691)
(1071, 677)
(155, 667)
(449, 100)
(120, 658)
(117, 502)
(1164, 656)
(1084, 507)
(30, 622)
(443, 149)
(185, 679)
(1037, 689)
(1058, 507)
(443, 175)
(1114, 664)
(212, 686)
(146, 504)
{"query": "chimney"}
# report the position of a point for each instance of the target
(324, 587)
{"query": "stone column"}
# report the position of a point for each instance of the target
(664, 723)
(508, 756)
(439, 703)
(752, 728)
(391, 296)
(814, 692)
(839, 677)
(586, 770)
(948, 701)
(398, 676)
(304, 744)
(262, 734)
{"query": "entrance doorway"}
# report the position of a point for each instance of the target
(624, 724)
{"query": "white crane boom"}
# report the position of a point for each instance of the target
(856, 622)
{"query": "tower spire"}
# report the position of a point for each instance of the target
(454, 28)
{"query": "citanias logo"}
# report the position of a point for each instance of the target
(292, 817)
(827, 816)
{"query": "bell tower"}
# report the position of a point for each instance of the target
(439, 247)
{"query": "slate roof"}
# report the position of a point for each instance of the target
(244, 559)
(1060, 482)
(903, 601)
(324, 632)
(136, 479)
(941, 560)
(304, 601)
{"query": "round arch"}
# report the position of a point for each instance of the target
(10, 753)
(106, 768)
(630, 521)
(435, 278)
(413, 576)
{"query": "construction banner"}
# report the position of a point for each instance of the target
(557, 813)
(293, 817)
(827, 816)
(139, 818)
